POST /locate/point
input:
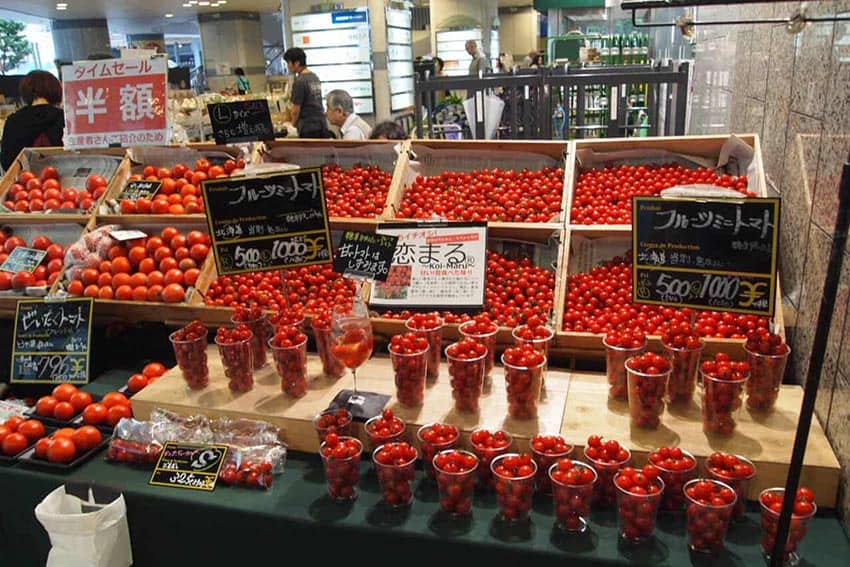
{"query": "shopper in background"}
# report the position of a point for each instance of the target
(539, 61)
(243, 86)
(340, 112)
(529, 59)
(478, 65)
(388, 130)
(308, 113)
(39, 123)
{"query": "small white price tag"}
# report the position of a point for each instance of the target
(122, 235)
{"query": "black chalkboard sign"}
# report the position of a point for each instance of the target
(268, 222)
(189, 465)
(139, 189)
(23, 259)
(365, 254)
(241, 121)
(707, 254)
(52, 341)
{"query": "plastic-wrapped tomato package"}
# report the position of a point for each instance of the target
(169, 426)
(133, 442)
(240, 471)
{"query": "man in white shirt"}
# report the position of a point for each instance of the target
(340, 112)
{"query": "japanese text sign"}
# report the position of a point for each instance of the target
(188, 465)
(52, 341)
(365, 254)
(115, 101)
(268, 222)
(23, 260)
(241, 121)
(436, 265)
(706, 254)
(139, 189)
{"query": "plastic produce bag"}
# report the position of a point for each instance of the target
(493, 107)
(85, 532)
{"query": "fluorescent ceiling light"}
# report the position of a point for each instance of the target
(203, 3)
(61, 8)
(187, 5)
(169, 15)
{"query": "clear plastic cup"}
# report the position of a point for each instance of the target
(636, 513)
(770, 527)
(435, 339)
(486, 339)
(739, 485)
(485, 457)
(540, 345)
(237, 361)
(615, 369)
(192, 359)
(343, 429)
(513, 494)
(683, 379)
(523, 386)
(261, 330)
(646, 397)
(429, 449)
(674, 480)
(410, 371)
(721, 400)
(288, 319)
(376, 440)
(331, 367)
(604, 491)
(706, 523)
(766, 371)
(467, 380)
(544, 463)
(342, 474)
(291, 365)
(456, 488)
(396, 480)
(572, 502)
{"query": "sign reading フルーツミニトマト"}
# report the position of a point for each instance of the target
(436, 265)
(115, 102)
(718, 254)
(189, 465)
(52, 341)
(268, 222)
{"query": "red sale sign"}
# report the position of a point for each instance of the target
(115, 101)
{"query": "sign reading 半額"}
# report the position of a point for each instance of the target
(115, 101)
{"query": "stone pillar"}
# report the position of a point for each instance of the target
(75, 40)
(230, 40)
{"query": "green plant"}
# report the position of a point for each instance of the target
(14, 46)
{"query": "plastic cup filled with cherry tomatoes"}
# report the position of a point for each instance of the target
(409, 357)
(710, 505)
(682, 346)
(513, 478)
(341, 461)
(430, 326)
(524, 367)
(638, 496)
(723, 383)
(767, 355)
(467, 361)
(805, 508)
(482, 330)
(619, 347)
(736, 471)
(395, 465)
(455, 474)
(234, 348)
(487, 445)
(289, 351)
(321, 325)
(676, 468)
(546, 450)
(572, 493)
(190, 350)
(647, 376)
(256, 320)
(434, 438)
(333, 421)
(606, 457)
(385, 427)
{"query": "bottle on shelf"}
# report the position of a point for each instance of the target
(559, 122)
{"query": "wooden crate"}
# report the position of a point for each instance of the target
(436, 156)
(706, 148)
(571, 407)
(345, 153)
(23, 161)
(165, 156)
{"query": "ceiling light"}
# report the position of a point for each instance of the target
(187, 5)
(203, 3)
(61, 7)
(169, 15)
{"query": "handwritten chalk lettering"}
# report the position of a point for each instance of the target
(52, 368)
(57, 317)
(23, 259)
(715, 290)
(189, 479)
(675, 220)
(273, 190)
(269, 253)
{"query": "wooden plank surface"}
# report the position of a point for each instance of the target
(766, 439)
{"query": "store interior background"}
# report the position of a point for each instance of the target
(791, 90)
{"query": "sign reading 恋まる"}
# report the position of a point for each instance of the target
(52, 341)
(717, 254)
(115, 101)
(268, 222)
(365, 254)
(436, 265)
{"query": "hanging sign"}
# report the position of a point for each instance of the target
(268, 222)
(189, 465)
(436, 265)
(241, 121)
(52, 341)
(706, 254)
(365, 254)
(115, 102)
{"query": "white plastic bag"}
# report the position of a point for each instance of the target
(493, 107)
(85, 533)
